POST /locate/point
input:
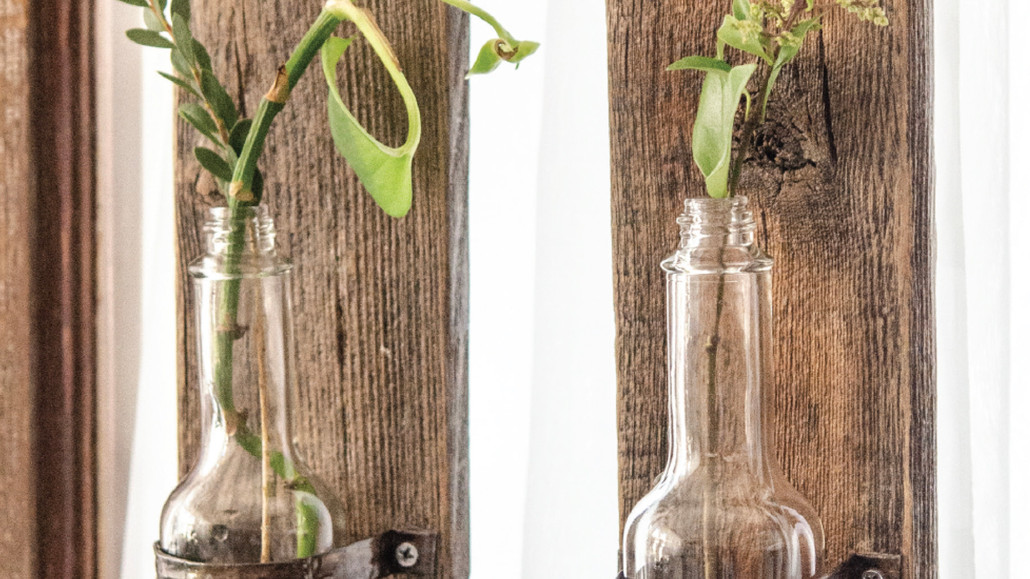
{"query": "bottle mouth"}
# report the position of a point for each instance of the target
(224, 216)
(255, 222)
(706, 218)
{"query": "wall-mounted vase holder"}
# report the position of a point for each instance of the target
(410, 552)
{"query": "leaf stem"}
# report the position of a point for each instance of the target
(273, 103)
(748, 132)
(485, 17)
(240, 197)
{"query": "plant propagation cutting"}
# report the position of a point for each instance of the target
(236, 147)
(774, 31)
(720, 508)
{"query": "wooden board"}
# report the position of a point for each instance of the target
(842, 187)
(379, 304)
(47, 289)
(17, 466)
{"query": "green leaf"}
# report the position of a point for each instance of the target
(384, 171)
(198, 116)
(238, 136)
(183, 38)
(523, 50)
(153, 21)
(742, 9)
(182, 8)
(800, 32)
(787, 54)
(201, 55)
(487, 61)
(180, 65)
(162, 4)
(214, 163)
(713, 129)
(220, 100)
(148, 38)
(730, 33)
(140, 3)
(497, 50)
(703, 63)
(184, 85)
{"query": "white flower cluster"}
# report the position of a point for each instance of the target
(868, 10)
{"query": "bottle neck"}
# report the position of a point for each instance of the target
(248, 230)
(244, 338)
(719, 310)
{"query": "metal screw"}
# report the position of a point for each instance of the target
(407, 555)
(872, 574)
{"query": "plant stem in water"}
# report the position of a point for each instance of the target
(228, 332)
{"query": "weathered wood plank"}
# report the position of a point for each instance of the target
(380, 305)
(842, 184)
(17, 465)
(47, 289)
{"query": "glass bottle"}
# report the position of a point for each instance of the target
(248, 499)
(722, 509)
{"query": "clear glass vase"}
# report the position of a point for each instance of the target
(722, 508)
(248, 499)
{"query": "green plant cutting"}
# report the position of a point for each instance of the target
(237, 143)
(768, 35)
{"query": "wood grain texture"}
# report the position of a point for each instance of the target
(17, 372)
(380, 304)
(47, 289)
(842, 187)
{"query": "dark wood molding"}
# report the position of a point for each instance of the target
(380, 305)
(63, 122)
(843, 193)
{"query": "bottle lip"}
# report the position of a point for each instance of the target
(227, 256)
(706, 217)
(222, 215)
(709, 210)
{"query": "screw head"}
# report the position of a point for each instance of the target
(406, 554)
(872, 574)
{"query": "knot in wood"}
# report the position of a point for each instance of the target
(779, 145)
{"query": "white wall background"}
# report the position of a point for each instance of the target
(982, 323)
(543, 485)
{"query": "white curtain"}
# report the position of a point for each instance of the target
(543, 455)
(136, 341)
(982, 323)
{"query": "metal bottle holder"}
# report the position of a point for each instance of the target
(868, 566)
(410, 552)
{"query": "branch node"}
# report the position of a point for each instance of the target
(239, 193)
(280, 91)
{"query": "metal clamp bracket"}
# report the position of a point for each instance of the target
(866, 566)
(869, 566)
(393, 552)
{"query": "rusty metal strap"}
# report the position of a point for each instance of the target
(393, 552)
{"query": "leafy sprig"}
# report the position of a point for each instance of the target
(385, 172)
(214, 113)
(773, 32)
